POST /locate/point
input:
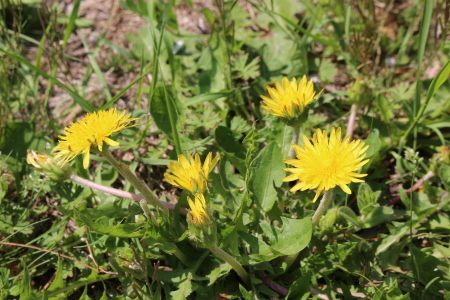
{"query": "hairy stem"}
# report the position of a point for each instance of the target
(119, 193)
(135, 181)
(351, 120)
(323, 205)
(294, 141)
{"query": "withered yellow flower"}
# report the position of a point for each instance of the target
(90, 132)
(199, 215)
(326, 162)
(49, 166)
(189, 174)
(37, 160)
(289, 100)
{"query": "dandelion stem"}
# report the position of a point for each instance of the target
(294, 141)
(351, 121)
(232, 262)
(289, 260)
(119, 193)
(135, 181)
(148, 213)
(322, 206)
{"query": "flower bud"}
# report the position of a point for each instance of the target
(49, 166)
(202, 229)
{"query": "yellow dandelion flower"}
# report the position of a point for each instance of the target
(327, 162)
(289, 100)
(90, 132)
(199, 215)
(189, 174)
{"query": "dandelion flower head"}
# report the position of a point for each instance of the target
(91, 132)
(289, 99)
(324, 163)
(189, 173)
(199, 215)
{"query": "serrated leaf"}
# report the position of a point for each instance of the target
(444, 173)
(58, 282)
(218, 272)
(300, 289)
(402, 91)
(15, 139)
(25, 288)
(246, 294)
(3, 188)
(385, 109)
(377, 216)
(130, 230)
(104, 297)
(244, 70)
(185, 288)
(234, 150)
(72, 286)
(395, 235)
(327, 71)
(348, 214)
(266, 171)
(367, 199)
(426, 267)
(85, 296)
(328, 221)
(239, 125)
(395, 293)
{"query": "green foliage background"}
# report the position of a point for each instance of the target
(200, 92)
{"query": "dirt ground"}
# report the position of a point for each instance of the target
(113, 22)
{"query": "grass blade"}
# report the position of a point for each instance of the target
(97, 70)
(434, 86)
(78, 99)
(117, 97)
(212, 96)
(71, 23)
(423, 36)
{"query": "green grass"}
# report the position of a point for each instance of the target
(199, 92)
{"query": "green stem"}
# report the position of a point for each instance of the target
(148, 213)
(295, 137)
(289, 260)
(232, 262)
(135, 181)
(180, 255)
(326, 199)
